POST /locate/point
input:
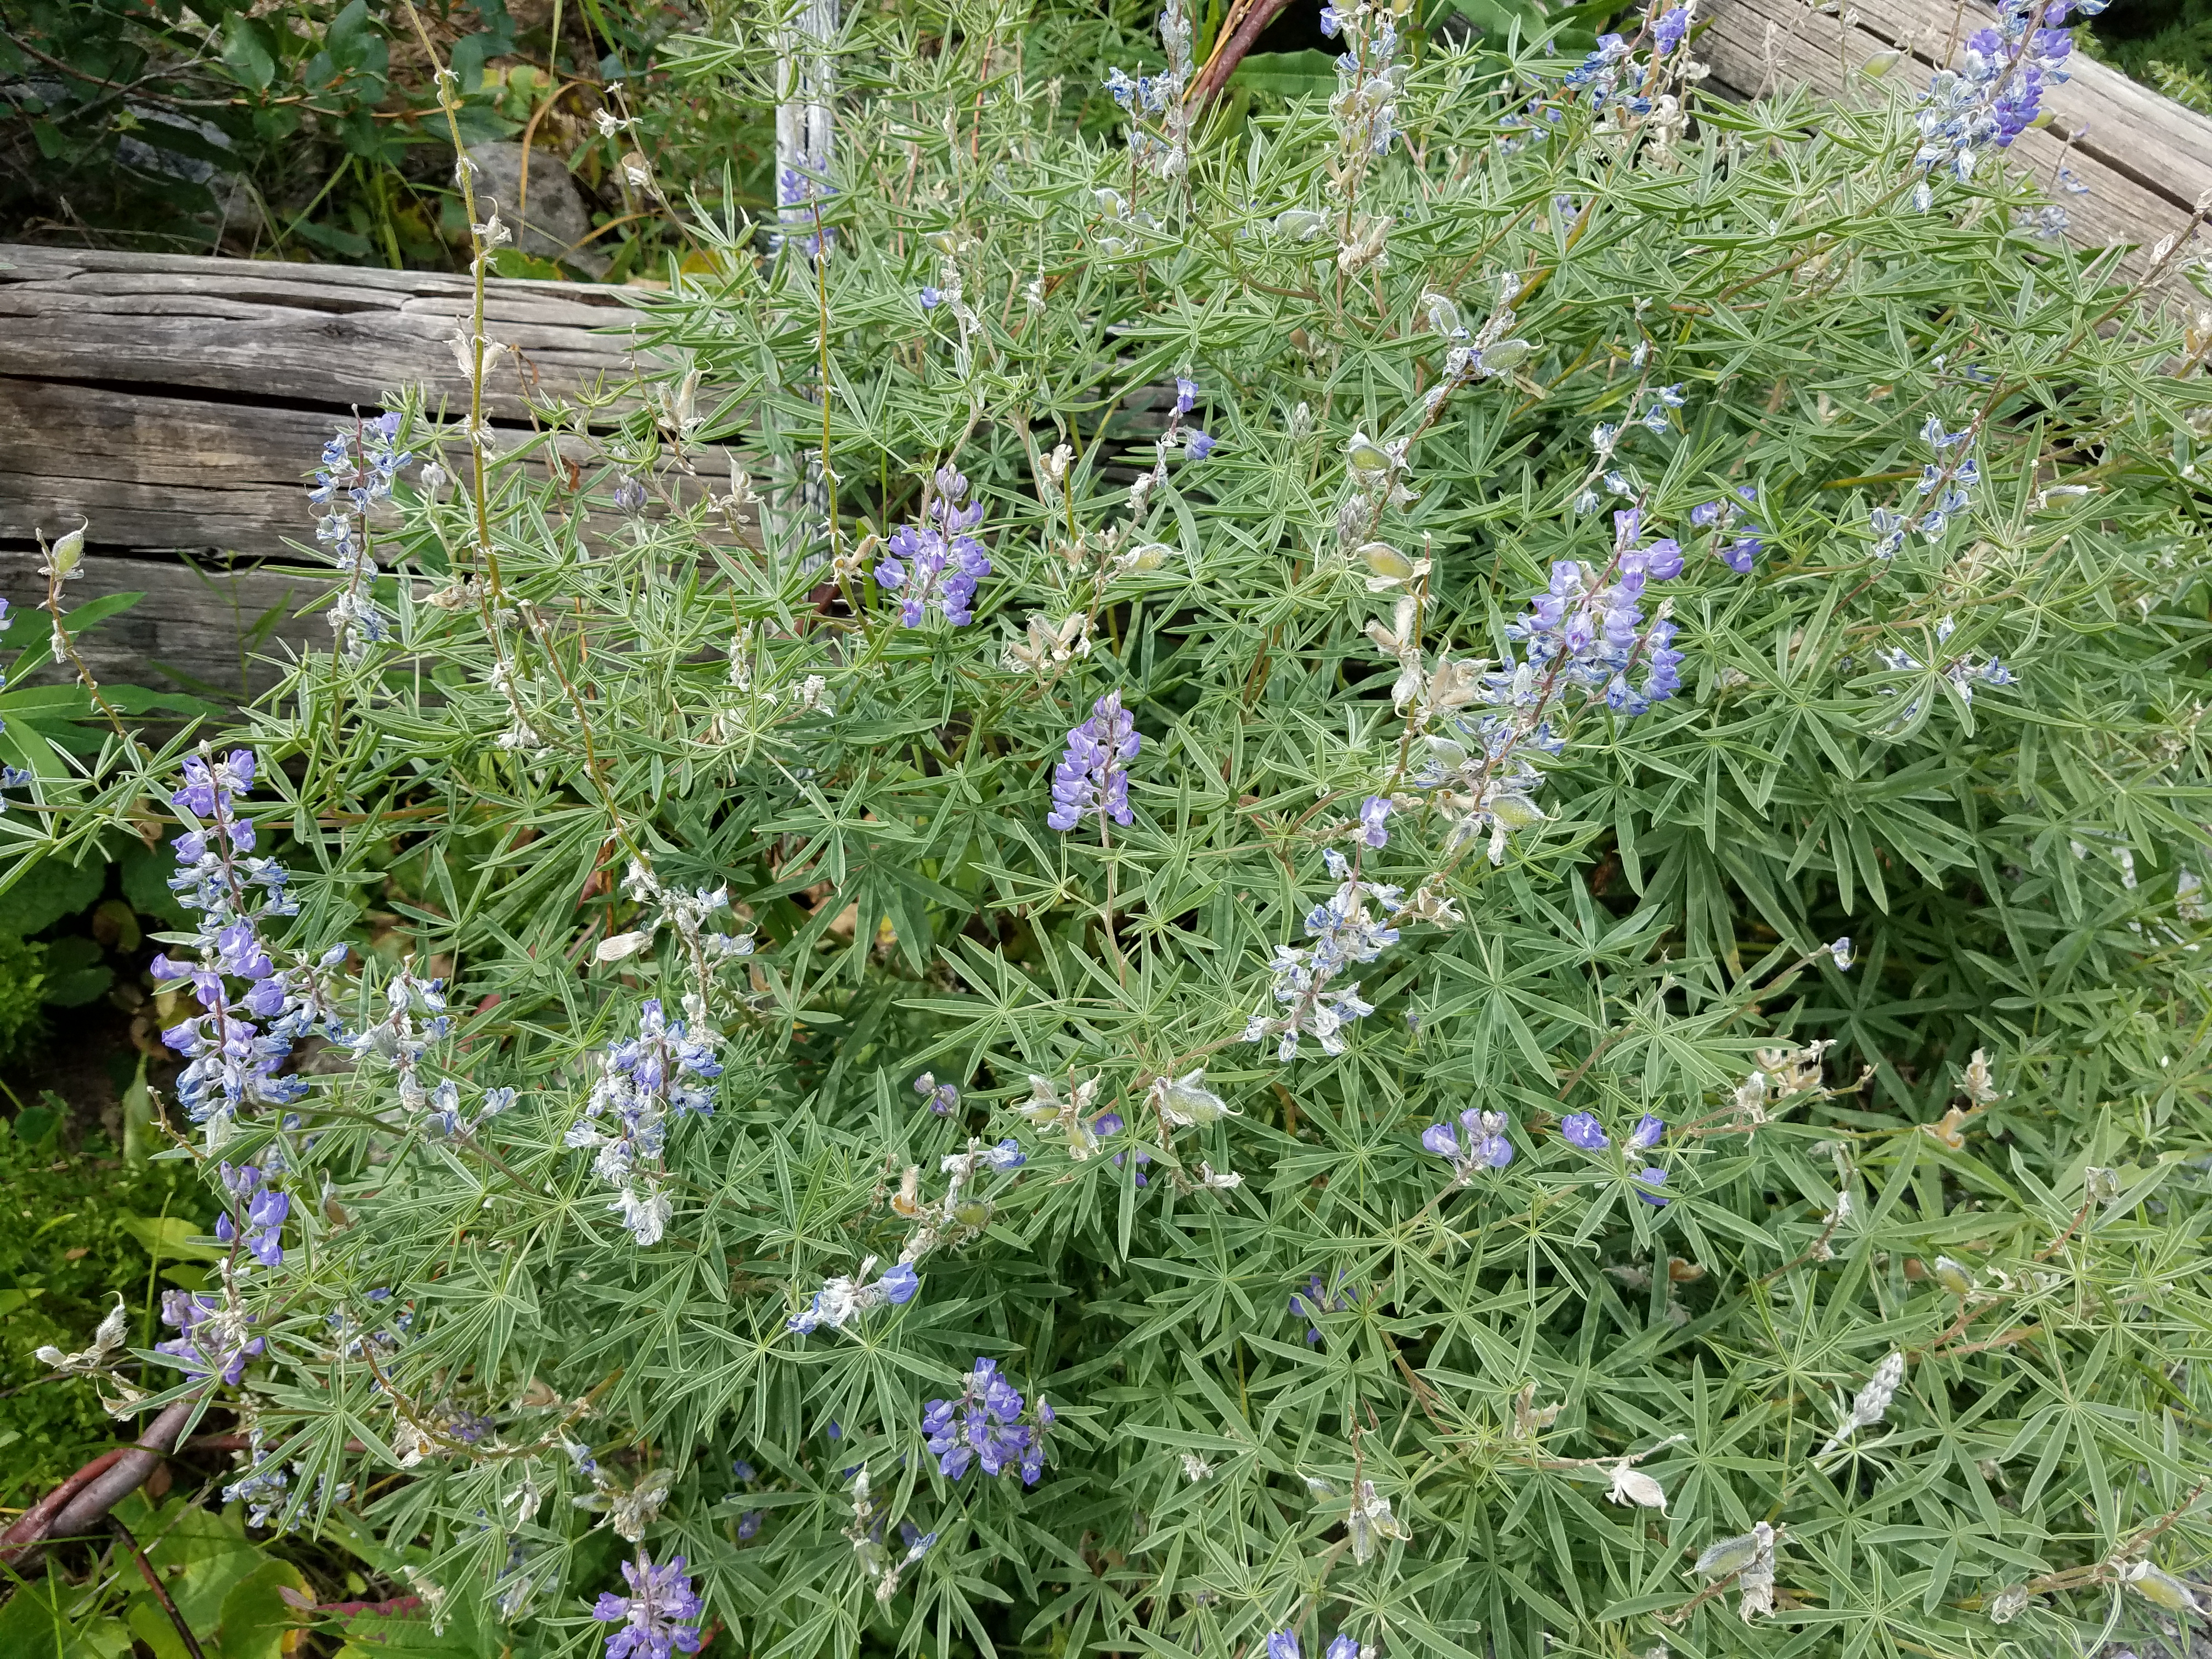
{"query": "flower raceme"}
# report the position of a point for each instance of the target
(236, 1045)
(658, 1617)
(985, 1424)
(935, 566)
(1092, 777)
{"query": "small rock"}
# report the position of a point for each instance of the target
(554, 220)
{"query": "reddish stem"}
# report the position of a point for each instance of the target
(1216, 74)
(81, 1502)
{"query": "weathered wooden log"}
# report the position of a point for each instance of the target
(2147, 161)
(212, 629)
(178, 403)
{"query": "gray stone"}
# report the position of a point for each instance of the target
(553, 222)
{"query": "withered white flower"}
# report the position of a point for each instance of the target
(107, 1342)
(1068, 1116)
(1871, 1403)
(2007, 1604)
(1185, 1101)
(1369, 1520)
(1979, 1082)
(1631, 1486)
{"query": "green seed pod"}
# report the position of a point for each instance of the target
(1385, 560)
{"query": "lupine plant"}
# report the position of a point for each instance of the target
(1552, 990)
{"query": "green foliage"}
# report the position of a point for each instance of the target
(69, 1244)
(311, 132)
(22, 991)
(2166, 44)
(1356, 1391)
(228, 1590)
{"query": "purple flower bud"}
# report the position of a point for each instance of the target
(1283, 1645)
(1581, 1129)
(1373, 813)
(1344, 1648)
(1199, 445)
(1646, 1134)
(1652, 1177)
(929, 297)
(1438, 1137)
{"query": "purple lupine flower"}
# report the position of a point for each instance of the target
(1373, 813)
(929, 298)
(1343, 932)
(1283, 1645)
(1594, 635)
(1841, 951)
(943, 1097)
(642, 1083)
(1738, 554)
(1706, 514)
(1185, 395)
(1646, 1134)
(658, 1617)
(235, 1058)
(1316, 1300)
(1487, 1141)
(748, 1524)
(900, 1283)
(1093, 776)
(628, 497)
(1110, 1123)
(842, 1299)
(1581, 1129)
(1662, 560)
(1668, 33)
(265, 1210)
(1199, 445)
(1652, 1176)
(984, 1425)
(1485, 1146)
(210, 1340)
(938, 564)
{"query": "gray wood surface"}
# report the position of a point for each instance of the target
(179, 402)
(217, 628)
(321, 337)
(2147, 160)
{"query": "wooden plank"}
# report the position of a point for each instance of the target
(320, 337)
(194, 620)
(155, 472)
(2145, 159)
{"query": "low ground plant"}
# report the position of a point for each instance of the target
(1418, 878)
